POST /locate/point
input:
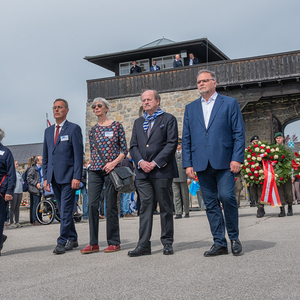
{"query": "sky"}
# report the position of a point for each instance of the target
(43, 43)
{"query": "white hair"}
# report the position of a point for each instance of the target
(100, 99)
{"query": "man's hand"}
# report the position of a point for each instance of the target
(293, 179)
(47, 186)
(8, 197)
(235, 166)
(39, 186)
(152, 164)
(146, 166)
(190, 172)
(75, 184)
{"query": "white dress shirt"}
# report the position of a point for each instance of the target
(60, 127)
(207, 107)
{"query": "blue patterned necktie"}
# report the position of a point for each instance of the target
(148, 119)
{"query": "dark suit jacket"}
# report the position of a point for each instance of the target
(222, 142)
(195, 61)
(7, 166)
(65, 159)
(177, 64)
(157, 68)
(136, 69)
(160, 146)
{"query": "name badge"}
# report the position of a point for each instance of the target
(64, 138)
(2, 152)
(109, 134)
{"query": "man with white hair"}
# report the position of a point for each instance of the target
(177, 63)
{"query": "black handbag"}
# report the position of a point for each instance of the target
(121, 177)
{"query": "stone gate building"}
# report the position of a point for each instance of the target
(266, 87)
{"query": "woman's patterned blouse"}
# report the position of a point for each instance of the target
(111, 141)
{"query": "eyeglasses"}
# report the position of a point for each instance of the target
(204, 81)
(57, 107)
(95, 105)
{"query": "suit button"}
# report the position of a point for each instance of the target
(206, 133)
(147, 145)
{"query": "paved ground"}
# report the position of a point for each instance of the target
(268, 269)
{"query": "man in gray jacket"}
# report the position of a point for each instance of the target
(35, 185)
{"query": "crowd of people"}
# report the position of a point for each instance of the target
(177, 63)
(211, 151)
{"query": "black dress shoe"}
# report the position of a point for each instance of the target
(138, 251)
(236, 247)
(168, 249)
(178, 217)
(59, 249)
(4, 237)
(187, 215)
(216, 250)
(70, 245)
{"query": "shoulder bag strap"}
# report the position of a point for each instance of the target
(97, 147)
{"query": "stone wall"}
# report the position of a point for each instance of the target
(257, 124)
(257, 113)
(126, 110)
(257, 116)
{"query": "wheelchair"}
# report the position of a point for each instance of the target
(47, 211)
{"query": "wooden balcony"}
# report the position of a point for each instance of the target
(230, 74)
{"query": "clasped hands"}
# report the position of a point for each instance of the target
(146, 166)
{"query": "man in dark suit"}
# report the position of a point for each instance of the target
(135, 68)
(152, 148)
(177, 63)
(62, 166)
(213, 145)
(154, 67)
(192, 60)
(7, 184)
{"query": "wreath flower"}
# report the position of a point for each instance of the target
(280, 156)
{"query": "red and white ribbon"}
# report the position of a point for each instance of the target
(270, 191)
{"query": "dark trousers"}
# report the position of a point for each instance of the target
(31, 207)
(285, 192)
(36, 201)
(65, 200)
(3, 206)
(256, 191)
(95, 185)
(160, 189)
(218, 186)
